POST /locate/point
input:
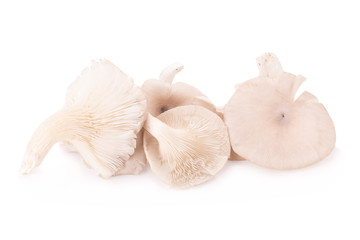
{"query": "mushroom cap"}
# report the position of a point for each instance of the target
(162, 95)
(233, 155)
(190, 146)
(113, 111)
(103, 113)
(268, 127)
(136, 163)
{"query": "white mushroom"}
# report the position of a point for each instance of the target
(270, 128)
(162, 95)
(103, 113)
(134, 165)
(233, 155)
(187, 145)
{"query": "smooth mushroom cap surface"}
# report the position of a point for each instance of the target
(186, 146)
(270, 128)
(103, 113)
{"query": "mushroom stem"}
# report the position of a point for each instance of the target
(56, 128)
(170, 140)
(168, 74)
(287, 83)
(269, 66)
(157, 128)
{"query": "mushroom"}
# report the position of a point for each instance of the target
(103, 113)
(271, 128)
(186, 145)
(134, 165)
(233, 155)
(162, 95)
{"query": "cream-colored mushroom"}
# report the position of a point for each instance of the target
(271, 128)
(186, 145)
(134, 165)
(163, 95)
(103, 113)
(233, 155)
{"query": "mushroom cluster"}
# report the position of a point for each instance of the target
(117, 127)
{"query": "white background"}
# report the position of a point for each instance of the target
(44, 45)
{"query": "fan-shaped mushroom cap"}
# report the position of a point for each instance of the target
(270, 128)
(186, 145)
(162, 95)
(103, 113)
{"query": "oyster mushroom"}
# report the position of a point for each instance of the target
(163, 95)
(233, 155)
(271, 128)
(134, 165)
(186, 145)
(103, 113)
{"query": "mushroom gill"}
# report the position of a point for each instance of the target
(103, 113)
